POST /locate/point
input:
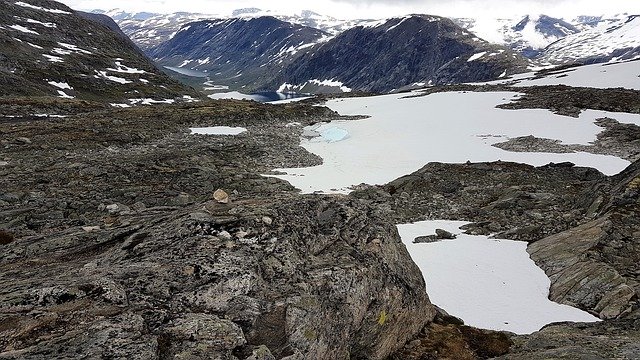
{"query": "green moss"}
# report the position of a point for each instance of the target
(383, 318)
(310, 335)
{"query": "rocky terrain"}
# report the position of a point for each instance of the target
(114, 233)
(124, 235)
(114, 238)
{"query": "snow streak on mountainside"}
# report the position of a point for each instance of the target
(49, 49)
(607, 41)
(392, 54)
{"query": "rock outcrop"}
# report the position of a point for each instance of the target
(595, 266)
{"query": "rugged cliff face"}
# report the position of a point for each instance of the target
(415, 49)
(239, 53)
(596, 266)
(50, 50)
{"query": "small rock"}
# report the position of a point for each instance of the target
(241, 234)
(139, 207)
(425, 239)
(90, 228)
(221, 196)
(267, 220)
(23, 140)
(224, 235)
(444, 234)
(4, 163)
(261, 353)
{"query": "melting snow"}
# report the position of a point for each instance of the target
(53, 11)
(234, 95)
(626, 75)
(125, 69)
(218, 130)
(53, 58)
(64, 95)
(476, 56)
(488, 283)
(442, 127)
(150, 101)
(49, 25)
(74, 48)
(23, 29)
(103, 74)
(60, 85)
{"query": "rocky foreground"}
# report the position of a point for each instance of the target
(113, 245)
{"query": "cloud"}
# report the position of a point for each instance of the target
(379, 8)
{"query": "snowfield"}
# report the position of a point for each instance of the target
(490, 284)
(404, 134)
(218, 130)
(602, 76)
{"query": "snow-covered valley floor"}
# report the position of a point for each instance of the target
(403, 134)
(489, 283)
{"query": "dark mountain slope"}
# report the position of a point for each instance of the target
(237, 52)
(48, 49)
(399, 52)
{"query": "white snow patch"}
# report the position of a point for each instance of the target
(150, 101)
(125, 69)
(288, 101)
(603, 76)
(53, 58)
(399, 23)
(53, 11)
(488, 283)
(64, 95)
(234, 95)
(34, 45)
(331, 83)
(45, 24)
(74, 48)
(404, 134)
(218, 130)
(61, 51)
(60, 85)
(120, 105)
(119, 80)
(477, 56)
(23, 29)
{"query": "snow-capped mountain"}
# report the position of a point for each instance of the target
(149, 30)
(237, 52)
(528, 35)
(607, 40)
(416, 49)
(50, 50)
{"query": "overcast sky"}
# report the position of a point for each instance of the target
(347, 9)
